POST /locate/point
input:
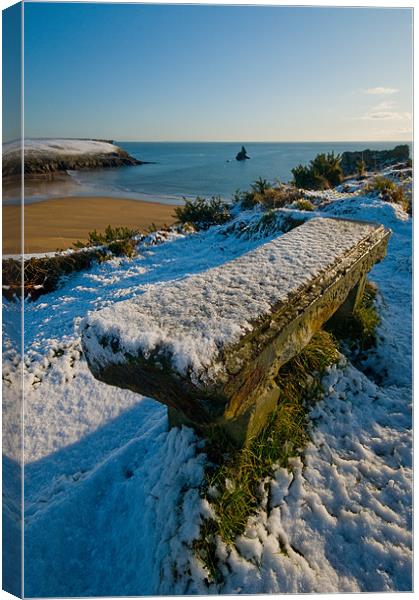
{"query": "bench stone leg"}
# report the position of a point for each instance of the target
(347, 309)
(244, 429)
(178, 418)
(240, 430)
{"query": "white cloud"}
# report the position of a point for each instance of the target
(384, 105)
(380, 90)
(386, 111)
(386, 115)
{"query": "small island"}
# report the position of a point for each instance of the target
(242, 155)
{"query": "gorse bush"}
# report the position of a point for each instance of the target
(278, 197)
(125, 247)
(323, 172)
(306, 179)
(260, 186)
(120, 241)
(203, 213)
(267, 196)
(111, 234)
(328, 166)
(245, 199)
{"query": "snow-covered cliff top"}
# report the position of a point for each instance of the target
(45, 156)
(60, 146)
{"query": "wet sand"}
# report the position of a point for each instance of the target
(56, 224)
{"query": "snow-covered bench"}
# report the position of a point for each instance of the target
(210, 346)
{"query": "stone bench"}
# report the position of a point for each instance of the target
(210, 346)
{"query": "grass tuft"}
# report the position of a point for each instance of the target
(303, 204)
(389, 191)
(269, 223)
(358, 333)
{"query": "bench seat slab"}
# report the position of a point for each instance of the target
(210, 346)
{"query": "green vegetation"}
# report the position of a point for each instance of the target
(261, 193)
(269, 223)
(323, 172)
(203, 213)
(360, 168)
(359, 331)
(119, 241)
(381, 185)
(110, 235)
(233, 485)
(304, 204)
(389, 191)
(153, 228)
(260, 186)
(125, 247)
(42, 275)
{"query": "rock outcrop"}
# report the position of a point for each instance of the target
(44, 157)
(242, 155)
(374, 160)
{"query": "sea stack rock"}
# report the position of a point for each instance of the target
(242, 155)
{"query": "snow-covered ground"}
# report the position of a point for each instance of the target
(112, 497)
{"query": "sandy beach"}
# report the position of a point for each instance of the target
(56, 224)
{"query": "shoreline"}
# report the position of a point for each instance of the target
(56, 223)
(42, 187)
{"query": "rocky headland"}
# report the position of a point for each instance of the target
(49, 156)
(374, 160)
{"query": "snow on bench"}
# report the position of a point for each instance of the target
(210, 346)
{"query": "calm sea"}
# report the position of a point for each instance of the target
(191, 169)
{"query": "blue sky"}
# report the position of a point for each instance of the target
(164, 72)
(11, 60)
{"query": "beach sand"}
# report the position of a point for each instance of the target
(57, 223)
